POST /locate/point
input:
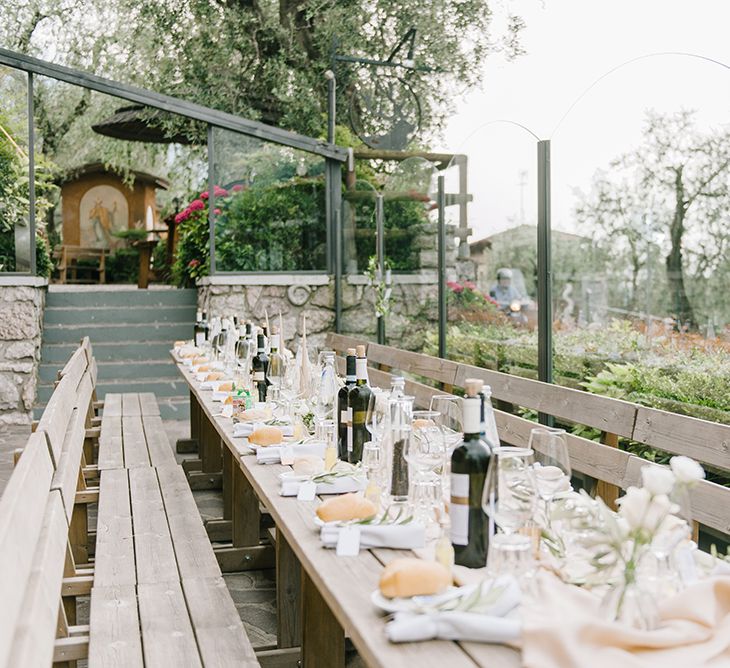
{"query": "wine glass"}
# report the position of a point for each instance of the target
(425, 452)
(449, 418)
(377, 414)
(510, 495)
(552, 463)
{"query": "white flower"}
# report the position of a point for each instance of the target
(643, 510)
(633, 506)
(686, 470)
(657, 479)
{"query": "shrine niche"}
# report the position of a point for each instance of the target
(97, 203)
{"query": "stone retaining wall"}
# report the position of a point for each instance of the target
(21, 327)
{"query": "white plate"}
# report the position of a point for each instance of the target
(411, 604)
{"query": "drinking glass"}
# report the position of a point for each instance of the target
(425, 453)
(377, 414)
(325, 398)
(552, 464)
(276, 373)
(510, 495)
(449, 418)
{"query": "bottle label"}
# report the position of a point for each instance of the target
(459, 508)
(258, 376)
(346, 416)
(349, 438)
(199, 339)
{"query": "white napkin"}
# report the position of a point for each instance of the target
(396, 536)
(488, 625)
(213, 384)
(245, 429)
(337, 486)
(272, 453)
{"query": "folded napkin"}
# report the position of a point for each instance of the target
(272, 453)
(341, 485)
(563, 628)
(395, 536)
(245, 429)
(489, 624)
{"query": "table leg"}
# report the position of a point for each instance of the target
(288, 595)
(323, 639)
(188, 446)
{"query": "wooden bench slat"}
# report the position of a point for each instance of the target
(35, 628)
(22, 508)
(158, 446)
(418, 364)
(67, 472)
(680, 434)
(114, 559)
(135, 445)
(167, 633)
(130, 404)
(57, 414)
(114, 637)
(195, 557)
(148, 403)
(113, 404)
(154, 554)
(221, 637)
(111, 448)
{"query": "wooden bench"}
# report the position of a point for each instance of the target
(68, 265)
(606, 469)
(157, 594)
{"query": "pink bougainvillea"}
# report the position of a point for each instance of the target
(217, 211)
(204, 195)
(220, 192)
(456, 287)
(197, 205)
(237, 188)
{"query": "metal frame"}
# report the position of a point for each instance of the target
(31, 177)
(544, 272)
(441, 202)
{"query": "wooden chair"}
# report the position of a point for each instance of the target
(67, 258)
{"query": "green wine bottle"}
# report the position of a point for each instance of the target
(357, 403)
(259, 367)
(344, 416)
(469, 463)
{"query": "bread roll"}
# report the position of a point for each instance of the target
(180, 344)
(226, 386)
(413, 577)
(266, 436)
(346, 507)
(254, 415)
(200, 359)
(423, 423)
(308, 465)
(203, 368)
(216, 375)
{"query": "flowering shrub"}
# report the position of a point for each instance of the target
(467, 303)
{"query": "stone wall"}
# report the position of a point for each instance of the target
(21, 327)
(413, 304)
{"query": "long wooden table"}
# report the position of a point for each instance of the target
(333, 593)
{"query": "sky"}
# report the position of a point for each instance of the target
(570, 44)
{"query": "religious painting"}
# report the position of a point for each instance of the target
(103, 211)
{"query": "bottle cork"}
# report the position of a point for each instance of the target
(473, 386)
(361, 351)
(351, 352)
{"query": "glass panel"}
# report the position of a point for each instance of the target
(14, 192)
(492, 296)
(270, 212)
(641, 252)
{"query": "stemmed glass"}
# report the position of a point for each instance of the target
(449, 418)
(552, 464)
(325, 399)
(377, 414)
(509, 499)
(425, 452)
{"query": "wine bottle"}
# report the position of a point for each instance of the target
(469, 463)
(344, 415)
(199, 331)
(488, 425)
(275, 370)
(259, 367)
(357, 403)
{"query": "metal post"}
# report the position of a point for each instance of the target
(442, 264)
(380, 251)
(211, 198)
(544, 272)
(338, 270)
(31, 176)
(333, 179)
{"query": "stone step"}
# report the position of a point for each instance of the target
(59, 353)
(119, 296)
(126, 333)
(74, 315)
(146, 369)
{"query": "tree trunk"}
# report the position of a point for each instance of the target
(675, 274)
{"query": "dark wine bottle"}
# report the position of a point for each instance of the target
(344, 415)
(357, 402)
(469, 463)
(199, 335)
(259, 367)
